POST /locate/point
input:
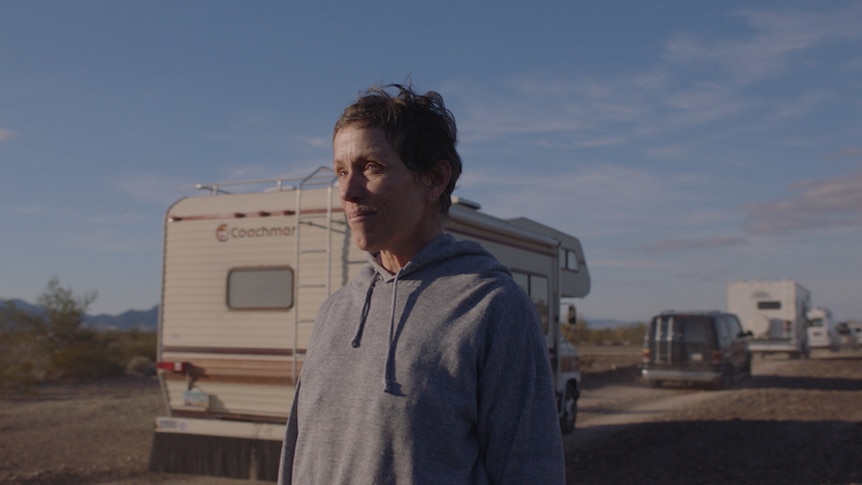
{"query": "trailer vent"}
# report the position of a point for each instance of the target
(466, 203)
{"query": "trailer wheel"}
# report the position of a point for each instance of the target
(570, 409)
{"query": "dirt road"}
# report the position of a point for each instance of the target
(793, 422)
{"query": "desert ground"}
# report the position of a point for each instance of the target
(792, 422)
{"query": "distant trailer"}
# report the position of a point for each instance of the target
(822, 330)
(244, 275)
(776, 314)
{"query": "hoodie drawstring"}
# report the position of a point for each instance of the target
(357, 339)
(389, 384)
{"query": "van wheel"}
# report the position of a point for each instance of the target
(726, 378)
(570, 409)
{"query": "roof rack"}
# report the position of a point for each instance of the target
(320, 177)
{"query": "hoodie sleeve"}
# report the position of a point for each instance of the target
(518, 422)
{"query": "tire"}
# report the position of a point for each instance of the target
(570, 409)
(726, 378)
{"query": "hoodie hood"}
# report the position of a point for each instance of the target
(441, 257)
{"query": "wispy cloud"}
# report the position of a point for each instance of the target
(672, 151)
(811, 205)
(542, 103)
(672, 246)
(115, 240)
(124, 219)
(155, 189)
(849, 152)
(315, 141)
(854, 64)
(245, 172)
(693, 82)
(6, 135)
(776, 36)
(40, 211)
(603, 200)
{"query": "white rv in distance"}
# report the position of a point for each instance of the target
(775, 312)
(245, 270)
(822, 330)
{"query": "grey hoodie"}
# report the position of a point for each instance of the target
(438, 374)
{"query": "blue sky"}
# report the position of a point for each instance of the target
(687, 144)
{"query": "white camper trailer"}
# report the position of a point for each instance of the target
(244, 274)
(775, 312)
(822, 330)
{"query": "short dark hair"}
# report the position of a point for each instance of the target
(420, 128)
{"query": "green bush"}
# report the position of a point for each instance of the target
(135, 343)
(85, 360)
(580, 333)
(54, 345)
(141, 366)
(22, 364)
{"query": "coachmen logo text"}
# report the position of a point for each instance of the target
(224, 232)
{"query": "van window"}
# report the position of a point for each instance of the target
(697, 330)
(676, 333)
(734, 325)
(260, 288)
(769, 305)
(724, 330)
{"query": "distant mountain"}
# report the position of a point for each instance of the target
(148, 320)
(21, 306)
(601, 323)
(144, 320)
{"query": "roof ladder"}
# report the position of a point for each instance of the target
(322, 177)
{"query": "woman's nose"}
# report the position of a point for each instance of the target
(349, 187)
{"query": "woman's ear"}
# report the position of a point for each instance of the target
(437, 179)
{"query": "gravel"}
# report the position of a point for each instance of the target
(793, 422)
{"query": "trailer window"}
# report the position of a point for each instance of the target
(260, 288)
(523, 280)
(569, 260)
(539, 295)
(769, 305)
(537, 288)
